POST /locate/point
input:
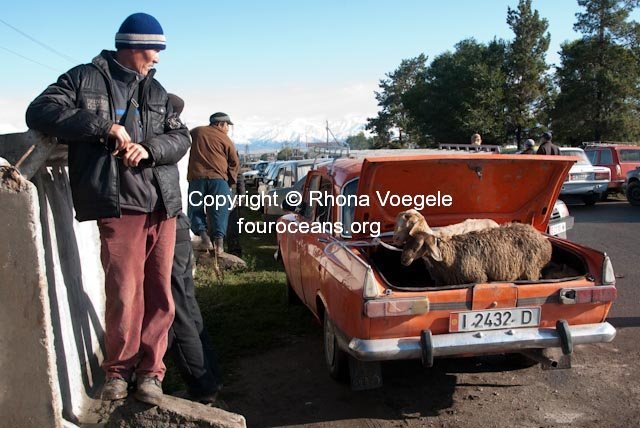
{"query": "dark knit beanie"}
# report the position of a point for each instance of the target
(140, 31)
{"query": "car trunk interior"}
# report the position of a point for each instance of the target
(564, 265)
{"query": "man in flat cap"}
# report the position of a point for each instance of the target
(123, 151)
(213, 168)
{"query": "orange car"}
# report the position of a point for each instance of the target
(338, 261)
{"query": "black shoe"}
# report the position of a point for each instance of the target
(209, 398)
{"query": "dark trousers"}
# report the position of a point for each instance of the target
(189, 343)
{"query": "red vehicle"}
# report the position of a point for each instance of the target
(374, 309)
(619, 158)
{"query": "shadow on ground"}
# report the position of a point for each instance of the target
(290, 386)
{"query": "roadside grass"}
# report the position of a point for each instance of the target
(248, 314)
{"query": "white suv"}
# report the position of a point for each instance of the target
(585, 181)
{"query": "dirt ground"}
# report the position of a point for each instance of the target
(289, 386)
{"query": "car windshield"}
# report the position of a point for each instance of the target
(348, 209)
(303, 170)
(584, 160)
(272, 171)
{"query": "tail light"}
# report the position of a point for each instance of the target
(601, 294)
(608, 275)
(381, 308)
(371, 290)
(618, 171)
(603, 175)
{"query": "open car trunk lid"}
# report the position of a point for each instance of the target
(455, 187)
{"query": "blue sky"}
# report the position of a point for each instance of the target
(259, 61)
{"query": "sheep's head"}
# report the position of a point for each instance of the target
(407, 223)
(420, 244)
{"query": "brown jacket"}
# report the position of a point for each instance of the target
(213, 155)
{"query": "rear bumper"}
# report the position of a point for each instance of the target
(583, 188)
(475, 343)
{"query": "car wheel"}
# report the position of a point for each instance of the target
(335, 358)
(591, 200)
(633, 193)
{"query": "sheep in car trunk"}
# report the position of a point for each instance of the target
(507, 253)
(412, 221)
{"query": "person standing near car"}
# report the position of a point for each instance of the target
(213, 168)
(123, 152)
(476, 140)
(189, 343)
(547, 147)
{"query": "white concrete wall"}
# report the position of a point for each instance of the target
(76, 291)
(29, 393)
(51, 306)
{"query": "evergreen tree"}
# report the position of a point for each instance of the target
(462, 95)
(359, 141)
(393, 113)
(599, 78)
(527, 85)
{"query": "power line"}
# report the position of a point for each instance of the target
(49, 48)
(29, 59)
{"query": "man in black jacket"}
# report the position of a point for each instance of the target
(547, 147)
(189, 342)
(123, 152)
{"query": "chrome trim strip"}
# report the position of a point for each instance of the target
(485, 342)
(537, 301)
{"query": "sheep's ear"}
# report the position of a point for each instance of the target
(431, 247)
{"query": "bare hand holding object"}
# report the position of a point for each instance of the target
(123, 140)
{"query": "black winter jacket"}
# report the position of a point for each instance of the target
(78, 110)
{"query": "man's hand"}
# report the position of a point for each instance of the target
(123, 140)
(134, 154)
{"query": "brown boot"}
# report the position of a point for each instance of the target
(149, 390)
(114, 389)
(218, 244)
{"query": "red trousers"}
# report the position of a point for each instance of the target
(137, 256)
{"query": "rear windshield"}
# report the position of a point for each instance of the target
(579, 153)
(630, 155)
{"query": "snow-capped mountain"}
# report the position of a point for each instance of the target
(263, 135)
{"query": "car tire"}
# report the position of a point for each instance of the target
(335, 358)
(590, 200)
(633, 193)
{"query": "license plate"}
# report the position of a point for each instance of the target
(494, 319)
(556, 229)
(578, 177)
